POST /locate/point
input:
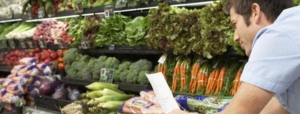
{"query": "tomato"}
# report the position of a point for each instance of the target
(61, 66)
(60, 60)
(60, 53)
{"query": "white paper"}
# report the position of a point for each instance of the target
(163, 92)
(162, 59)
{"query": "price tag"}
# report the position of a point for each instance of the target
(83, 45)
(78, 7)
(12, 43)
(162, 58)
(23, 44)
(41, 43)
(108, 11)
(29, 43)
(106, 75)
(41, 12)
(111, 47)
(60, 44)
(87, 43)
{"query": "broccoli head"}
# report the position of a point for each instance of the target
(141, 65)
(117, 76)
(71, 73)
(69, 56)
(67, 67)
(124, 65)
(123, 75)
(142, 78)
(85, 58)
(87, 71)
(132, 76)
(102, 58)
(112, 63)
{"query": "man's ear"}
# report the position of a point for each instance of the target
(255, 12)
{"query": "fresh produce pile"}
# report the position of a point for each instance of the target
(46, 55)
(86, 67)
(84, 29)
(184, 31)
(112, 31)
(24, 82)
(24, 30)
(52, 31)
(103, 98)
(207, 77)
(169, 28)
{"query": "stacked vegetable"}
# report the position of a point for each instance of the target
(207, 77)
(103, 98)
(24, 30)
(86, 67)
(52, 31)
(112, 31)
(169, 28)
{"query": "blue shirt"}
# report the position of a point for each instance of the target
(274, 63)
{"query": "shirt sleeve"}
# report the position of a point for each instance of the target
(274, 63)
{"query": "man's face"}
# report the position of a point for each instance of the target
(243, 34)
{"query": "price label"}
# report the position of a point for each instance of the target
(60, 44)
(23, 44)
(111, 47)
(106, 75)
(29, 43)
(83, 45)
(87, 43)
(41, 12)
(162, 58)
(108, 11)
(41, 43)
(12, 43)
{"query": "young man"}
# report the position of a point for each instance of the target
(268, 31)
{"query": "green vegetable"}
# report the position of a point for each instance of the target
(69, 56)
(236, 46)
(107, 98)
(108, 91)
(132, 77)
(94, 94)
(101, 86)
(141, 65)
(123, 75)
(112, 105)
(111, 62)
(142, 78)
(136, 30)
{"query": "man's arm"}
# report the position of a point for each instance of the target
(249, 99)
(274, 107)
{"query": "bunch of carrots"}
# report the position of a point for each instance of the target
(215, 81)
(180, 73)
(194, 76)
(236, 82)
(162, 68)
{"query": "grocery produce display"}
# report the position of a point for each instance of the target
(79, 64)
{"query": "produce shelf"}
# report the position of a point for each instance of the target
(123, 50)
(100, 10)
(50, 103)
(74, 81)
(5, 68)
(136, 88)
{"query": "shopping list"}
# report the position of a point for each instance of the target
(163, 92)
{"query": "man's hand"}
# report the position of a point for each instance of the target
(178, 111)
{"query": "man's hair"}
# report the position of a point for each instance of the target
(271, 8)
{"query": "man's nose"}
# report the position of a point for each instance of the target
(236, 37)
